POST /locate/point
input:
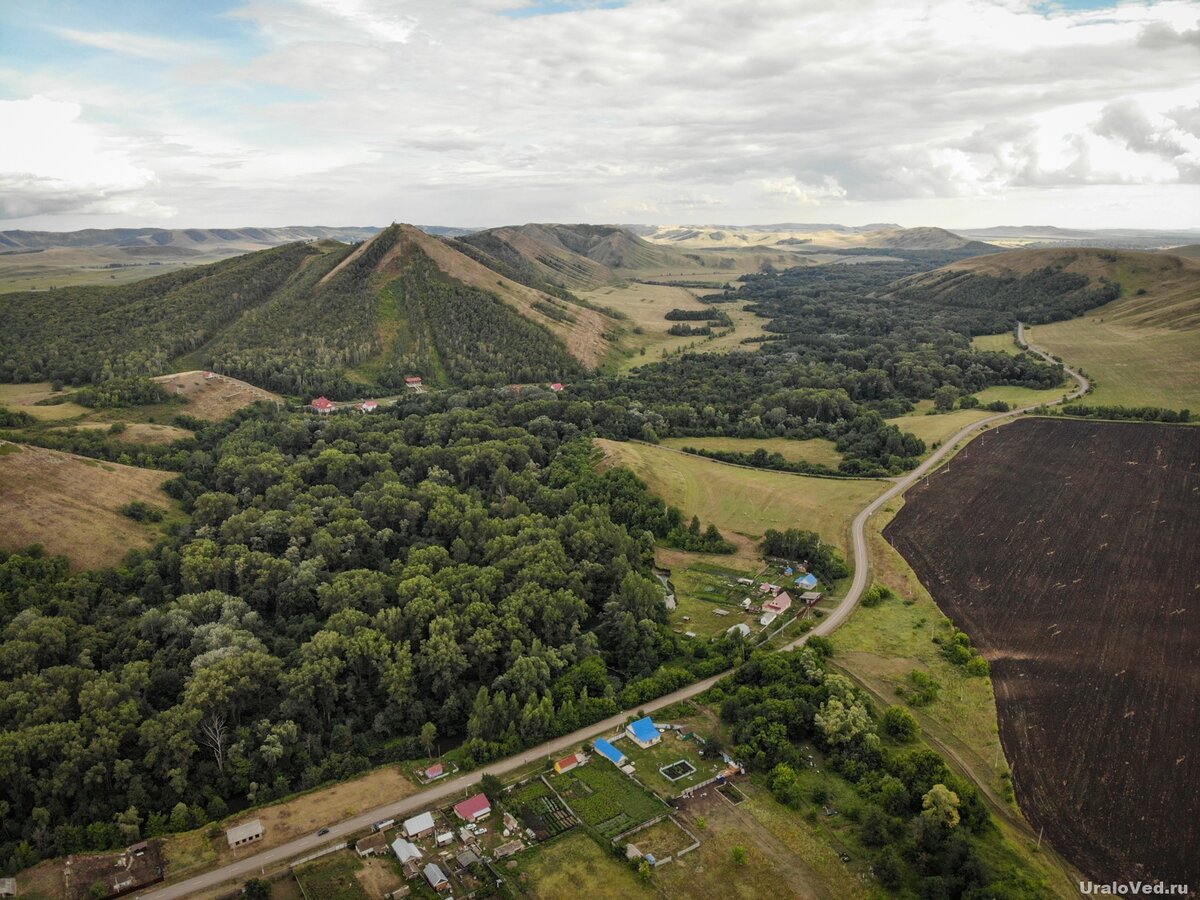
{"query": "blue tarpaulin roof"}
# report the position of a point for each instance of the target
(644, 730)
(608, 751)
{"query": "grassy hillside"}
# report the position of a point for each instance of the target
(71, 505)
(1142, 348)
(307, 319)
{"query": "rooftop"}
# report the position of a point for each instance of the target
(643, 729)
(608, 751)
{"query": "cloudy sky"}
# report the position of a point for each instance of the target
(482, 112)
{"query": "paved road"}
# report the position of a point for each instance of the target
(276, 858)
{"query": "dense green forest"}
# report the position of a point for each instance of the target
(343, 586)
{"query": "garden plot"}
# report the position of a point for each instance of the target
(606, 799)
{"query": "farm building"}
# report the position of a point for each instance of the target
(807, 581)
(643, 733)
(749, 581)
(405, 852)
(368, 406)
(767, 618)
(372, 844)
(778, 604)
(246, 833)
(609, 752)
(8, 887)
(437, 770)
(556, 387)
(436, 877)
(473, 808)
(741, 628)
(567, 763)
(418, 826)
(808, 598)
(323, 405)
(508, 849)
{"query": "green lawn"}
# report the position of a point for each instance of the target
(573, 866)
(669, 750)
(816, 450)
(935, 428)
(1003, 343)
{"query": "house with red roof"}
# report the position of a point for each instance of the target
(368, 406)
(412, 381)
(209, 375)
(567, 763)
(556, 387)
(437, 770)
(473, 808)
(779, 604)
(323, 405)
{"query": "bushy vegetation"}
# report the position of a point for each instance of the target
(1135, 413)
(118, 392)
(801, 546)
(923, 824)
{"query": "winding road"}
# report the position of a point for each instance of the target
(276, 858)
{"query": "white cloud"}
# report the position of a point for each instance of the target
(425, 110)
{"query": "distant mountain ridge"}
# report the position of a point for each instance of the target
(187, 238)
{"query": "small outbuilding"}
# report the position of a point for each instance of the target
(556, 387)
(767, 618)
(8, 887)
(741, 628)
(808, 598)
(567, 763)
(371, 845)
(246, 833)
(609, 752)
(437, 770)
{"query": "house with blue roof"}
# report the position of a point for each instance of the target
(609, 752)
(643, 733)
(808, 581)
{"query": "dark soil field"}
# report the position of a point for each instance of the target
(1070, 552)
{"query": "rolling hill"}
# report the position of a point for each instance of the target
(308, 318)
(809, 239)
(581, 256)
(1131, 319)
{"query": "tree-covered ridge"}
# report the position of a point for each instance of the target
(343, 586)
(299, 319)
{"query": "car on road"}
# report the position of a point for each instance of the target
(322, 831)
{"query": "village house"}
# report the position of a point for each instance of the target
(807, 581)
(405, 851)
(769, 588)
(437, 770)
(368, 406)
(643, 733)
(418, 826)
(473, 808)
(808, 598)
(323, 405)
(246, 833)
(436, 877)
(609, 752)
(412, 381)
(778, 604)
(556, 387)
(371, 845)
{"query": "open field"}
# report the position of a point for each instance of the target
(291, 818)
(786, 857)
(1082, 596)
(334, 877)
(213, 398)
(576, 866)
(744, 503)
(71, 504)
(1005, 342)
(647, 304)
(136, 433)
(816, 450)
(1133, 364)
(24, 397)
(935, 428)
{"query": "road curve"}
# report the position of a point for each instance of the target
(277, 857)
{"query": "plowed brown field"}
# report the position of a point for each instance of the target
(1070, 552)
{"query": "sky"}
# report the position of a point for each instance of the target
(958, 113)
